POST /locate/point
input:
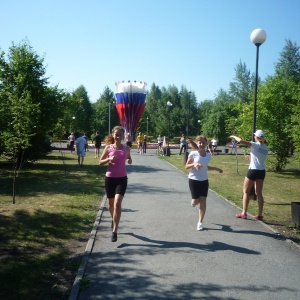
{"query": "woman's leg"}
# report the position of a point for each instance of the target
(195, 202)
(111, 206)
(202, 208)
(260, 199)
(117, 211)
(248, 184)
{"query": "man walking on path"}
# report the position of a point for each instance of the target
(80, 146)
(97, 139)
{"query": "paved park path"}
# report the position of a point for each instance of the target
(160, 254)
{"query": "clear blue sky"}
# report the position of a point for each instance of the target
(196, 43)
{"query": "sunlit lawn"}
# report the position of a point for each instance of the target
(43, 235)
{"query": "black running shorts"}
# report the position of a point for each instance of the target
(198, 188)
(253, 174)
(115, 186)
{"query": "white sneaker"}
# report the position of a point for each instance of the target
(199, 226)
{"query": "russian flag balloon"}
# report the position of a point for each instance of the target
(130, 104)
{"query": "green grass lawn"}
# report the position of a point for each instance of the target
(43, 235)
(280, 189)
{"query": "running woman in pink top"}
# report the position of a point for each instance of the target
(115, 154)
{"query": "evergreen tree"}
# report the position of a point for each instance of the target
(101, 113)
(288, 65)
(241, 89)
(82, 110)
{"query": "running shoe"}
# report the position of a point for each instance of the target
(199, 226)
(241, 216)
(114, 237)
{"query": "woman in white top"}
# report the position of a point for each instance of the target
(256, 172)
(198, 160)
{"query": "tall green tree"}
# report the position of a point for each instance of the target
(153, 100)
(214, 115)
(182, 116)
(241, 88)
(276, 101)
(279, 100)
(29, 108)
(296, 119)
(22, 76)
(102, 109)
(288, 65)
(80, 107)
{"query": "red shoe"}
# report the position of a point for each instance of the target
(241, 216)
(257, 217)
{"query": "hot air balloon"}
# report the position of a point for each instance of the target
(130, 104)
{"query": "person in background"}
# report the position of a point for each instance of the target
(71, 138)
(86, 144)
(256, 172)
(198, 161)
(80, 146)
(214, 145)
(140, 140)
(182, 144)
(145, 144)
(233, 145)
(97, 139)
(115, 154)
(159, 143)
(129, 140)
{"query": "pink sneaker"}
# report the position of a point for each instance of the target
(241, 216)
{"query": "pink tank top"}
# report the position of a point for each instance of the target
(118, 168)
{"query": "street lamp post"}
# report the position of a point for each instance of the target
(188, 115)
(109, 118)
(147, 126)
(73, 124)
(199, 122)
(258, 37)
(168, 148)
(186, 154)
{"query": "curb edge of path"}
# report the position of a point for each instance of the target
(80, 273)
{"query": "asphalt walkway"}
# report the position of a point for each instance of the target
(160, 254)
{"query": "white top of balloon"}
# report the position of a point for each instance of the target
(131, 86)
